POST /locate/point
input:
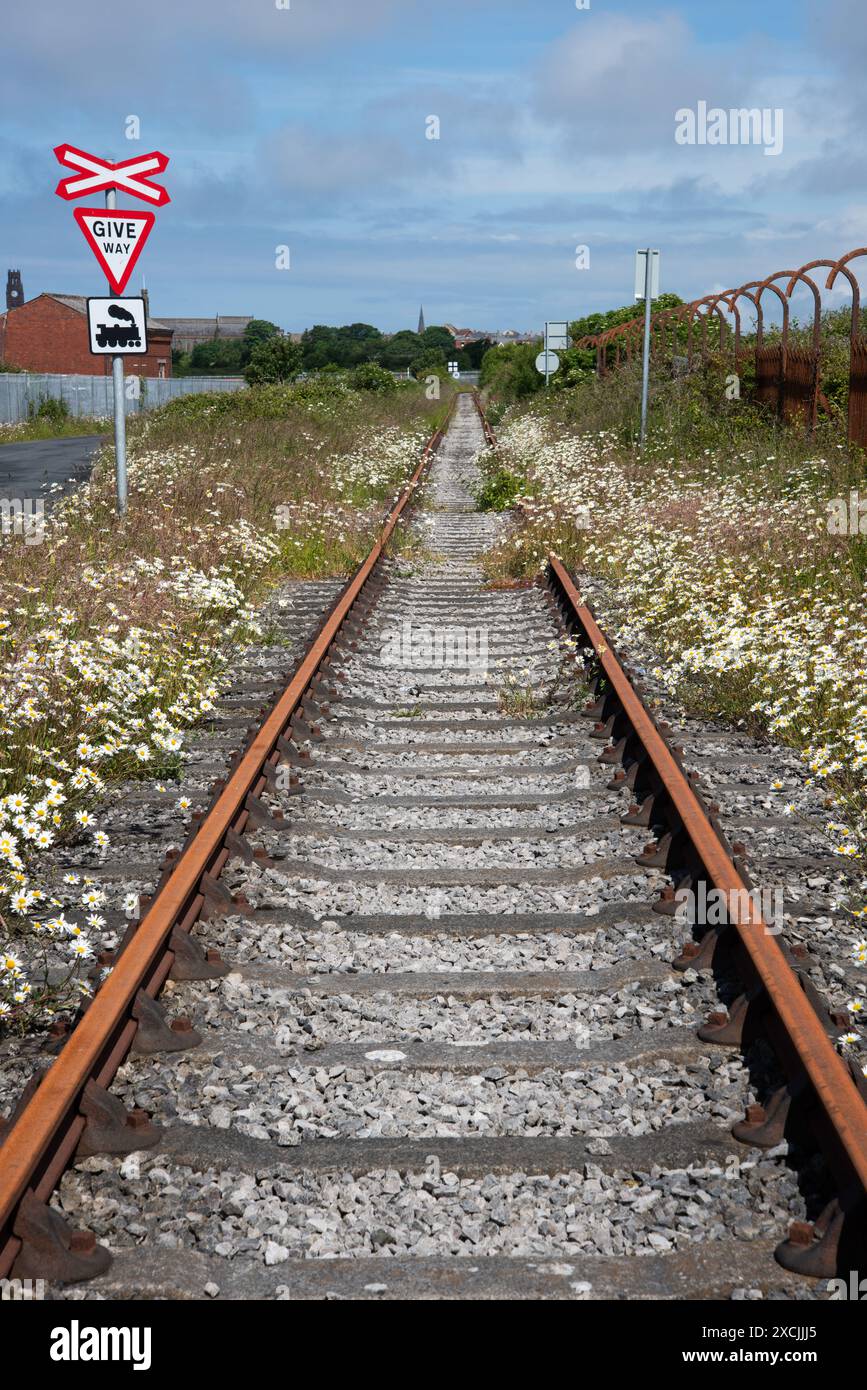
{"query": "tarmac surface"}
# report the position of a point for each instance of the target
(27, 469)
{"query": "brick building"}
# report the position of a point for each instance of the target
(49, 334)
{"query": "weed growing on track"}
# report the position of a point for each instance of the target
(112, 632)
(715, 548)
(519, 693)
(498, 491)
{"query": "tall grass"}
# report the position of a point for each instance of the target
(113, 629)
(716, 551)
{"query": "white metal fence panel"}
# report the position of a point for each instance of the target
(92, 395)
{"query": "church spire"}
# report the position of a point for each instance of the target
(421, 319)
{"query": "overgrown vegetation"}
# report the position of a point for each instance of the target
(51, 419)
(112, 631)
(277, 360)
(712, 548)
(509, 372)
(370, 377)
(499, 487)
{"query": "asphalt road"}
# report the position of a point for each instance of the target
(27, 469)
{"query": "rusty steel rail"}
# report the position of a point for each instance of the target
(489, 433)
(824, 1093)
(49, 1123)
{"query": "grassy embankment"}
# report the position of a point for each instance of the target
(112, 631)
(719, 553)
(42, 427)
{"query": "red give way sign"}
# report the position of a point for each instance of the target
(116, 238)
(95, 174)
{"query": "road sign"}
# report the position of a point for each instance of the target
(641, 274)
(547, 363)
(557, 336)
(117, 326)
(96, 174)
(116, 237)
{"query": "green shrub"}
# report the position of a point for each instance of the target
(325, 386)
(498, 492)
(54, 411)
(370, 377)
(276, 360)
(429, 363)
(510, 372)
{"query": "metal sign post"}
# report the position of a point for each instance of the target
(646, 288)
(119, 408)
(117, 243)
(556, 339)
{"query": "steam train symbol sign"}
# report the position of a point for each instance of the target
(117, 326)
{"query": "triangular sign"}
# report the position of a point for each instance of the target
(116, 238)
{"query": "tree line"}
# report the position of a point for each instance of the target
(264, 353)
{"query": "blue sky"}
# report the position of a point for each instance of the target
(305, 126)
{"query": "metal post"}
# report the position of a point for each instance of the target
(645, 381)
(119, 411)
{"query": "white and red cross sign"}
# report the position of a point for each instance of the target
(115, 235)
(95, 174)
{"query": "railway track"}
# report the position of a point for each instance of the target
(437, 1032)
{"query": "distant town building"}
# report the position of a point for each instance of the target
(462, 336)
(421, 320)
(49, 334)
(14, 290)
(190, 332)
(512, 335)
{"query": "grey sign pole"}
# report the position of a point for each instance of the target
(645, 379)
(119, 411)
(554, 340)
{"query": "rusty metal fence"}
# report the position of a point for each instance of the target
(787, 376)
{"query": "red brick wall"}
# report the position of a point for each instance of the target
(46, 336)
